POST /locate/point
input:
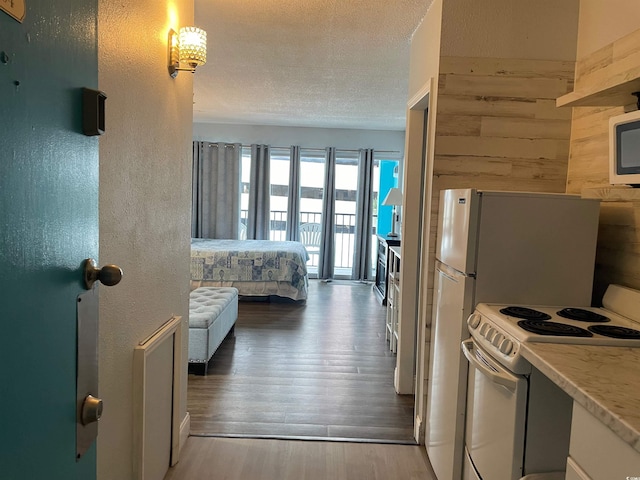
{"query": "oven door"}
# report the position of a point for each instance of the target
(496, 417)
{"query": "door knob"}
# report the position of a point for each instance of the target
(108, 275)
(91, 410)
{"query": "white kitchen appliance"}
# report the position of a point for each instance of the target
(517, 421)
(528, 248)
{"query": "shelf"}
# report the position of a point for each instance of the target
(614, 96)
(608, 76)
(609, 193)
(393, 285)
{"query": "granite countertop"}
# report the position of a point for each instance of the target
(604, 380)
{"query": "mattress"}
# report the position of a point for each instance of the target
(254, 267)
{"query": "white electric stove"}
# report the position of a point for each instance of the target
(517, 421)
(501, 328)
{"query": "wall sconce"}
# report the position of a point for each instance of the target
(189, 47)
(394, 198)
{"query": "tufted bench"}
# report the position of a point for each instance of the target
(213, 312)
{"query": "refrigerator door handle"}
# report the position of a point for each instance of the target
(445, 274)
(498, 377)
(453, 278)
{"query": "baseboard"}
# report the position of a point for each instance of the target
(418, 431)
(185, 429)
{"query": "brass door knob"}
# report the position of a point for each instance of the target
(108, 275)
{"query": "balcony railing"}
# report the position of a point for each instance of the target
(344, 228)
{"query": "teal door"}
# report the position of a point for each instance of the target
(48, 226)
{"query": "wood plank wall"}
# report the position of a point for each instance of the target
(618, 255)
(497, 128)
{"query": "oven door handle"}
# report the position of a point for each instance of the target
(495, 375)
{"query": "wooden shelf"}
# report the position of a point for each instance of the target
(393, 285)
(614, 96)
(610, 193)
(607, 77)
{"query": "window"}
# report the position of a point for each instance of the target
(279, 168)
(312, 165)
(345, 209)
(245, 180)
(312, 191)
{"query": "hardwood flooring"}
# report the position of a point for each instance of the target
(268, 459)
(320, 370)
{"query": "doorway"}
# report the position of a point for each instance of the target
(413, 352)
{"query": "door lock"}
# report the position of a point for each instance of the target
(91, 410)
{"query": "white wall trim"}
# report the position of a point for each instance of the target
(172, 328)
(185, 430)
(415, 238)
(418, 429)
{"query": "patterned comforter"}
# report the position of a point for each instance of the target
(225, 261)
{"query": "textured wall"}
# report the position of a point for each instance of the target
(601, 23)
(145, 190)
(425, 49)
(303, 136)
(544, 29)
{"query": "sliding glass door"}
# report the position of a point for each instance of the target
(312, 165)
(345, 212)
(279, 188)
(311, 195)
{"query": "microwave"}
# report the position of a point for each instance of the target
(624, 149)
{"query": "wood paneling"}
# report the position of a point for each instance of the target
(497, 128)
(322, 369)
(618, 255)
(244, 459)
(607, 76)
(496, 115)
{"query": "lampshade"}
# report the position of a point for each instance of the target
(193, 46)
(394, 197)
(187, 50)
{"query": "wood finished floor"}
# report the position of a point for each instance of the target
(318, 370)
(264, 459)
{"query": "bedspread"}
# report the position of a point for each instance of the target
(249, 261)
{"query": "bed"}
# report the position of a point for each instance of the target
(259, 268)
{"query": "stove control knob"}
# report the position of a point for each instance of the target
(497, 340)
(506, 346)
(474, 320)
(490, 333)
(483, 329)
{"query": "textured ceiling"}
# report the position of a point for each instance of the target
(309, 63)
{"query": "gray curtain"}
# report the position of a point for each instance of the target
(327, 247)
(362, 252)
(215, 209)
(259, 208)
(293, 204)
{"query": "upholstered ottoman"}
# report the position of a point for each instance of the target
(213, 312)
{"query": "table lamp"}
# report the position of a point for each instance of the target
(394, 198)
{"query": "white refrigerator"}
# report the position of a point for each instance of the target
(501, 247)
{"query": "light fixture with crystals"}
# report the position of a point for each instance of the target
(187, 50)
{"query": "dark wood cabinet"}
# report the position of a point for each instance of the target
(382, 267)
